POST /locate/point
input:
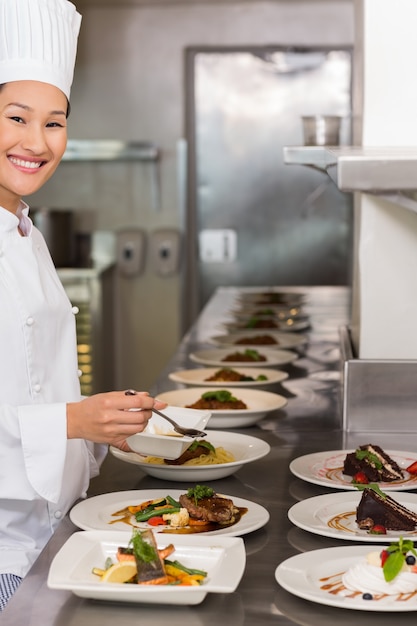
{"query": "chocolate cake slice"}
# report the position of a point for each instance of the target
(376, 464)
(380, 509)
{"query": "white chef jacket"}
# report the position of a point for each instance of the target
(42, 472)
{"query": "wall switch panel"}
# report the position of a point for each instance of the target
(130, 251)
(218, 246)
(165, 250)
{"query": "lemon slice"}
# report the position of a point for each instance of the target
(120, 572)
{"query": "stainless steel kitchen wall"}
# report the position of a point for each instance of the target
(129, 85)
(255, 220)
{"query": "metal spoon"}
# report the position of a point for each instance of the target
(187, 432)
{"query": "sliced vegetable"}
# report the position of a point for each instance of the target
(187, 570)
(147, 514)
(157, 521)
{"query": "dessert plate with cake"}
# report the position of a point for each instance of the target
(368, 516)
(344, 469)
(353, 577)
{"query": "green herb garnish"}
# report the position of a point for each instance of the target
(396, 559)
(221, 395)
(200, 442)
(199, 492)
(373, 486)
(253, 354)
(142, 550)
(372, 458)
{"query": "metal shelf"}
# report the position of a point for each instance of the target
(109, 150)
(389, 172)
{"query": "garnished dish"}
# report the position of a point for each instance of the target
(378, 512)
(99, 565)
(272, 297)
(245, 356)
(200, 452)
(384, 579)
(363, 516)
(194, 510)
(219, 399)
(256, 358)
(243, 448)
(228, 374)
(271, 338)
(143, 563)
(391, 571)
(229, 411)
(370, 463)
(200, 509)
(233, 376)
(268, 322)
(328, 469)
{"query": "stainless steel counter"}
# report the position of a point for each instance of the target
(311, 422)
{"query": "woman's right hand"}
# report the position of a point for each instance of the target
(110, 417)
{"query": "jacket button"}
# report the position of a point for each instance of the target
(29, 321)
(37, 388)
(75, 310)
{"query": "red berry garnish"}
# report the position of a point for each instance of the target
(384, 555)
(360, 478)
(378, 529)
(412, 469)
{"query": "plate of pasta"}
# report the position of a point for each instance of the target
(231, 452)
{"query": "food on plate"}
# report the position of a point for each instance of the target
(220, 399)
(272, 297)
(256, 322)
(378, 512)
(369, 463)
(200, 509)
(200, 452)
(143, 563)
(257, 340)
(391, 571)
(202, 503)
(246, 356)
(227, 374)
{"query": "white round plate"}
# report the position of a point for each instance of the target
(283, 340)
(325, 468)
(282, 326)
(244, 448)
(274, 358)
(259, 403)
(97, 513)
(316, 576)
(268, 311)
(333, 515)
(198, 377)
(272, 296)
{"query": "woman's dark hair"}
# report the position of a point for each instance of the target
(68, 103)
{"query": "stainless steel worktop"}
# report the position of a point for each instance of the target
(311, 422)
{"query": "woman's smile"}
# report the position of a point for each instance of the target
(33, 138)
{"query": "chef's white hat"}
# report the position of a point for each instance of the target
(38, 41)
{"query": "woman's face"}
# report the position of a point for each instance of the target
(33, 138)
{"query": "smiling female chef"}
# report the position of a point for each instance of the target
(47, 454)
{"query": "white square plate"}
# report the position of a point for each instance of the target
(223, 558)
